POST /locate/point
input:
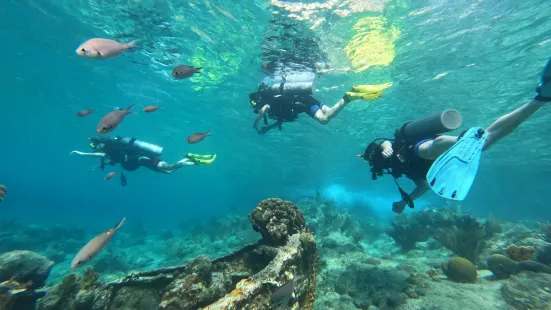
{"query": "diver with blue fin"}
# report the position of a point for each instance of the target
(283, 100)
(132, 154)
(446, 164)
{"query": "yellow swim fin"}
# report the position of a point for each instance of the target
(365, 96)
(370, 88)
(201, 159)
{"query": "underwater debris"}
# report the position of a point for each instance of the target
(406, 232)
(276, 220)
(231, 282)
(520, 253)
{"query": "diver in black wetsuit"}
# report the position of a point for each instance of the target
(418, 144)
(132, 154)
(284, 101)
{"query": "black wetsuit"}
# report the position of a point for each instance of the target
(130, 159)
(285, 108)
(406, 160)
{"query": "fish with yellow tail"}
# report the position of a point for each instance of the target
(94, 246)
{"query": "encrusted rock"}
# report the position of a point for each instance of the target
(244, 279)
(25, 266)
(276, 220)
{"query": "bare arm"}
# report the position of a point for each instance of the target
(420, 190)
(98, 154)
(260, 115)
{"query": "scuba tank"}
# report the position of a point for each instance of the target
(431, 125)
(293, 86)
(145, 147)
(128, 143)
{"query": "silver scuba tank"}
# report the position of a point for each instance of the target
(145, 147)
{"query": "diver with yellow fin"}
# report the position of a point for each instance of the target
(445, 164)
(283, 101)
(132, 154)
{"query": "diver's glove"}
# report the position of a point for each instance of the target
(366, 92)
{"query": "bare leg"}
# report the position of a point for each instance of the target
(163, 166)
(509, 122)
(325, 114)
(499, 129)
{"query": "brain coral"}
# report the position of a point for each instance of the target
(276, 220)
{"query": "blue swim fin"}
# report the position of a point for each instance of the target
(544, 88)
(452, 174)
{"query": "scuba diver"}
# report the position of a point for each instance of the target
(283, 101)
(446, 164)
(132, 154)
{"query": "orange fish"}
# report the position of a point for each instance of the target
(94, 246)
(110, 121)
(101, 49)
(152, 108)
(184, 71)
(84, 113)
(110, 175)
(197, 137)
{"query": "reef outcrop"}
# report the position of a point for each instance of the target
(244, 279)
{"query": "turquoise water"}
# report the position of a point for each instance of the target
(483, 58)
(490, 54)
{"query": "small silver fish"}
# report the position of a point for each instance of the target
(94, 246)
(280, 298)
(100, 49)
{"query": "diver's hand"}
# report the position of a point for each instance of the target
(399, 206)
(388, 152)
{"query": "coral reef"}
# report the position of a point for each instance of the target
(528, 291)
(544, 255)
(520, 253)
(459, 269)
(18, 296)
(25, 266)
(235, 281)
(502, 266)
(276, 220)
(406, 232)
(546, 231)
(465, 238)
(360, 266)
(492, 226)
